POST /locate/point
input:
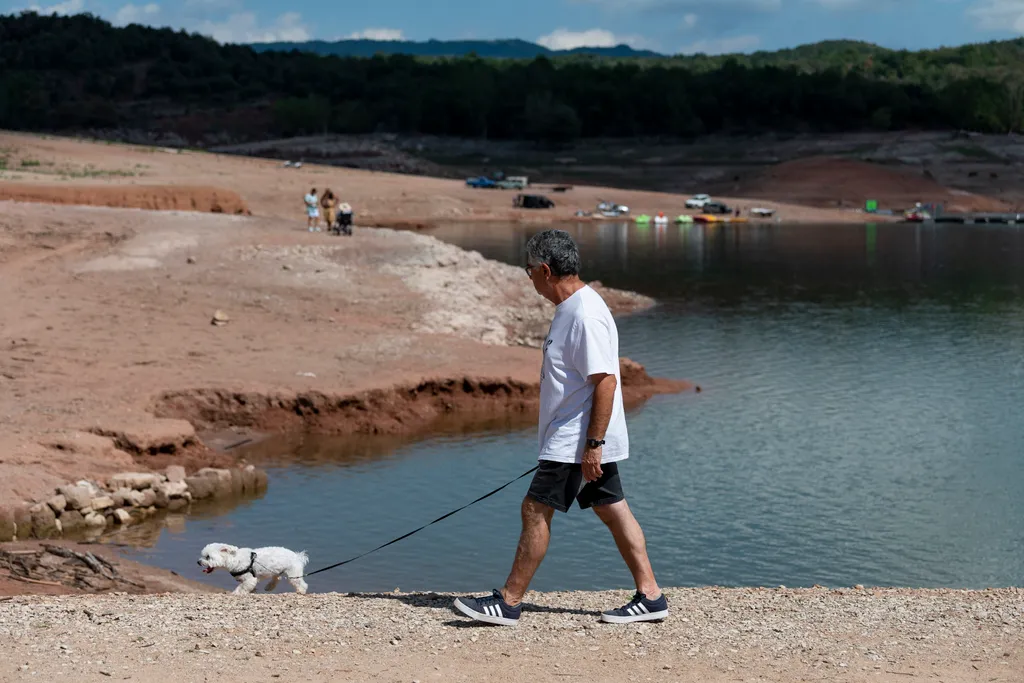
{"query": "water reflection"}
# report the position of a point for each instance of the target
(730, 264)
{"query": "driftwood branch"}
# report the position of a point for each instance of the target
(83, 571)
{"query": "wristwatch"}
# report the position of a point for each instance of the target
(595, 443)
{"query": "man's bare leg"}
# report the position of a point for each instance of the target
(533, 545)
(629, 538)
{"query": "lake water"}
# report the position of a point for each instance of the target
(860, 423)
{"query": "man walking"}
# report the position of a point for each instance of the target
(582, 434)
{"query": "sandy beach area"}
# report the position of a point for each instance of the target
(114, 263)
(713, 634)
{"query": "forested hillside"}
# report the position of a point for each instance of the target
(497, 49)
(79, 72)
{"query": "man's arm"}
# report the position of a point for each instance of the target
(601, 410)
(600, 416)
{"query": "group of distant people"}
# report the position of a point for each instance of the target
(337, 216)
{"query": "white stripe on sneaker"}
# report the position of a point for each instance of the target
(643, 608)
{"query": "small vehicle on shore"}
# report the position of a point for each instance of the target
(532, 201)
(481, 182)
(697, 201)
(611, 209)
(716, 208)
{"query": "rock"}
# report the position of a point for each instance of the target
(220, 318)
(77, 496)
(71, 519)
(222, 477)
(122, 497)
(261, 481)
(147, 498)
(43, 521)
(8, 528)
(237, 485)
(135, 480)
(172, 490)
(23, 521)
(202, 487)
(177, 504)
(95, 519)
(101, 503)
(58, 503)
(214, 472)
(121, 516)
(89, 486)
(160, 497)
(249, 480)
(190, 260)
(175, 473)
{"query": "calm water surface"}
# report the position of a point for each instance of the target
(860, 423)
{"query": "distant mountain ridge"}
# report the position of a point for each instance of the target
(491, 49)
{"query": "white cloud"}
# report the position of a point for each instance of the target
(564, 39)
(998, 15)
(858, 4)
(721, 46)
(136, 14)
(67, 7)
(243, 27)
(377, 34)
(690, 20)
(214, 5)
(681, 5)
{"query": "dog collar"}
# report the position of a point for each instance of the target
(249, 569)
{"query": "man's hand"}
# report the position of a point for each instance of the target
(592, 464)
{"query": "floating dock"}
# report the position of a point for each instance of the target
(979, 218)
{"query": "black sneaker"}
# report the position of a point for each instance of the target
(638, 609)
(492, 609)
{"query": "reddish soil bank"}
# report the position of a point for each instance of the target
(398, 410)
(152, 197)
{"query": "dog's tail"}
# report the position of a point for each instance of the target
(305, 557)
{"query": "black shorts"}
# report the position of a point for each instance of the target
(558, 484)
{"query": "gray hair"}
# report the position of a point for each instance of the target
(557, 249)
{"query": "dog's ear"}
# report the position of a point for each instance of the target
(227, 550)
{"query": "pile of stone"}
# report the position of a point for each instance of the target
(126, 498)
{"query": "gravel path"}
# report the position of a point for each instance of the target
(712, 634)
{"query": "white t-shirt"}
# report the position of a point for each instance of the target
(582, 341)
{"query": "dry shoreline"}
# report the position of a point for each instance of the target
(713, 634)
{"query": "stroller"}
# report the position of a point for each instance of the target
(343, 222)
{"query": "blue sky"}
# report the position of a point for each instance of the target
(669, 26)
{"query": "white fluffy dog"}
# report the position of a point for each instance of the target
(250, 565)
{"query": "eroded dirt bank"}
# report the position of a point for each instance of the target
(395, 410)
(152, 197)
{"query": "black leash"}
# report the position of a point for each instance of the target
(487, 495)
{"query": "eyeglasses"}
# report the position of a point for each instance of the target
(529, 270)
